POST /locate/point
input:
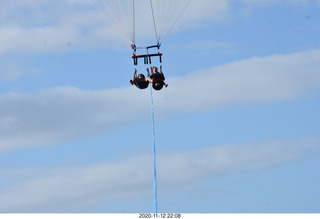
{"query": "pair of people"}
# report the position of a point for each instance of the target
(156, 79)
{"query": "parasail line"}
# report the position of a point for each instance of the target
(134, 22)
(175, 22)
(115, 5)
(154, 22)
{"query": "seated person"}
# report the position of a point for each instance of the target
(140, 81)
(157, 78)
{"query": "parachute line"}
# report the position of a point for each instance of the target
(134, 22)
(103, 15)
(175, 22)
(122, 15)
(124, 38)
(126, 10)
(154, 22)
(166, 14)
(108, 7)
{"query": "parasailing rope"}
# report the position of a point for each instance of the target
(155, 202)
(155, 198)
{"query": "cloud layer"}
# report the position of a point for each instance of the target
(61, 114)
(75, 189)
(49, 27)
(259, 79)
(45, 26)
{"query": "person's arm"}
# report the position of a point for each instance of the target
(162, 76)
(161, 73)
(134, 74)
(148, 72)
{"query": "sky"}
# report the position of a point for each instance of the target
(237, 129)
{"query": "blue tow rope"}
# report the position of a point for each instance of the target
(155, 204)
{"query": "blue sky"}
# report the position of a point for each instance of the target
(237, 129)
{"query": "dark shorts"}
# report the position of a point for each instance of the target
(142, 84)
(157, 87)
(157, 76)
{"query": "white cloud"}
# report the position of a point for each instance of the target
(261, 79)
(206, 47)
(60, 114)
(46, 26)
(250, 6)
(53, 39)
(273, 2)
(10, 70)
(206, 10)
(64, 113)
(74, 189)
